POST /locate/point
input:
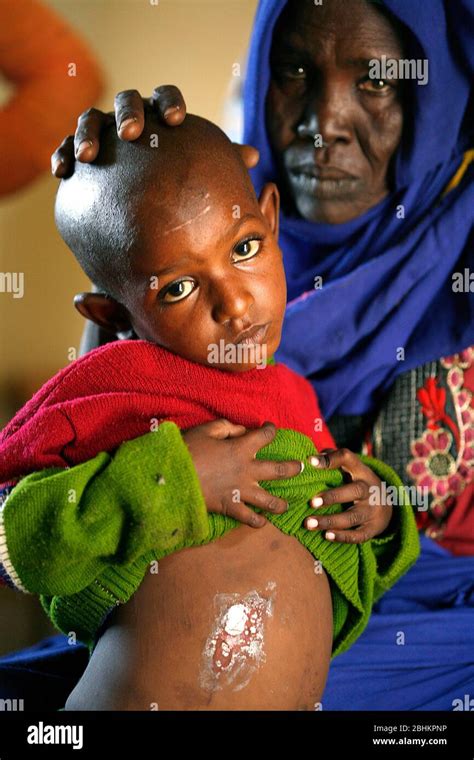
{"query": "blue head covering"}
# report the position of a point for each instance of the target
(387, 281)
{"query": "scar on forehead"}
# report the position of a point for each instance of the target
(234, 650)
(190, 221)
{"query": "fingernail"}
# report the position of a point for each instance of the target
(330, 535)
(316, 502)
(311, 522)
(314, 461)
(170, 110)
(301, 467)
(126, 122)
(83, 145)
(56, 165)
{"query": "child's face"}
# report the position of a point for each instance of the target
(205, 275)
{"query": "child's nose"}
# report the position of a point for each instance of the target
(230, 302)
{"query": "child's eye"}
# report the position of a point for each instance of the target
(247, 249)
(178, 290)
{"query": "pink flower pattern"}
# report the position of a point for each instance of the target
(443, 458)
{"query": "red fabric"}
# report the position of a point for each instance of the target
(458, 535)
(121, 390)
(447, 403)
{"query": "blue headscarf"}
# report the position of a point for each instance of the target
(387, 281)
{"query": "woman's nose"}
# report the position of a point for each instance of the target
(327, 114)
(309, 125)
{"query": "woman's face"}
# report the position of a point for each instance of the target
(320, 86)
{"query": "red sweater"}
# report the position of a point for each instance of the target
(122, 390)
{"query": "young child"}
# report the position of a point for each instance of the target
(171, 231)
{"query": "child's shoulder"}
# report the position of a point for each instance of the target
(96, 368)
(99, 369)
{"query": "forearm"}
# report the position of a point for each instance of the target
(60, 528)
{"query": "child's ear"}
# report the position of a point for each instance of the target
(269, 202)
(104, 310)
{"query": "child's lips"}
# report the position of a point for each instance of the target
(254, 335)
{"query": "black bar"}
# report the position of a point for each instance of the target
(295, 734)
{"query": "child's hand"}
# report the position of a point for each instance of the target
(224, 458)
(364, 519)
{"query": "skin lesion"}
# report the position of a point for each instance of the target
(235, 648)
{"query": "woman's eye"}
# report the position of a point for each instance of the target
(247, 249)
(178, 290)
(289, 71)
(374, 85)
(295, 72)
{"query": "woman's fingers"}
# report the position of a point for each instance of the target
(87, 136)
(351, 518)
(354, 491)
(350, 527)
(62, 160)
(169, 102)
(249, 155)
(343, 459)
(348, 462)
(130, 119)
(129, 114)
(357, 536)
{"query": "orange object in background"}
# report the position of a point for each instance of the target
(55, 77)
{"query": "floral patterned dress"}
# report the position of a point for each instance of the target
(425, 430)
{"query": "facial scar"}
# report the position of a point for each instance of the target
(190, 221)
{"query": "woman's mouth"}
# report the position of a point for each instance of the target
(327, 185)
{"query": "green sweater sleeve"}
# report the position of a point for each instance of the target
(106, 512)
(396, 548)
(126, 521)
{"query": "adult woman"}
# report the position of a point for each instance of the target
(366, 210)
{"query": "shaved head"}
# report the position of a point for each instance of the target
(102, 210)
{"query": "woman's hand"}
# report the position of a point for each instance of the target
(224, 458)
(360, 522)
(129, 115)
